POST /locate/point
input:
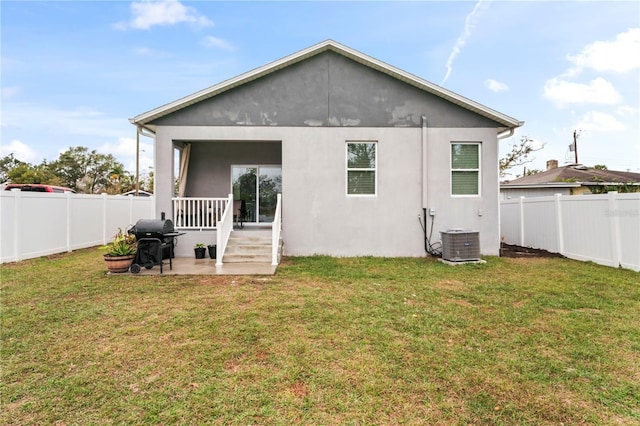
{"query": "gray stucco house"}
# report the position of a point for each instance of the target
(360, 151)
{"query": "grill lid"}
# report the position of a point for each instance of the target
(152, 228)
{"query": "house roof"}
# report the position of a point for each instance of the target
(573, 175)
(328, 45)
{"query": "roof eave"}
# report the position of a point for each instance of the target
(540, 185)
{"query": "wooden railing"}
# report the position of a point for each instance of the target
(198, 213)
(276, 227)
(225, 226)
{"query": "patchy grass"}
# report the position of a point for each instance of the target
(325, 341)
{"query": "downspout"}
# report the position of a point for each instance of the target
(140, 129)
(503, 135)
(425, 180)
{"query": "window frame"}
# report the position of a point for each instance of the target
(349, 169)
(477, 170)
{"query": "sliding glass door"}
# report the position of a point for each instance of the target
(257, 186)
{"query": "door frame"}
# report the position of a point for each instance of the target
(256, 221)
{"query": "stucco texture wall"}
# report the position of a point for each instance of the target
(325, 90)
(320, 218)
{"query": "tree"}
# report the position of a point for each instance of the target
(87, 171)
(147, 181)
(600, 167)
(529, 172)
(8, 163)
(16, 171)
(520, 154)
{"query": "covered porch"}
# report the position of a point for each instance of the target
(219, 221)
(218, 187)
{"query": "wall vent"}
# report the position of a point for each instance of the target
(460, 245)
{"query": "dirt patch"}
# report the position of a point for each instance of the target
(450, 285)
(508, 250)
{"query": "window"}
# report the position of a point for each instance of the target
(361, 168)
(465, 169)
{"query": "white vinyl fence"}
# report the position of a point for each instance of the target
(34, 224)
(601, 228)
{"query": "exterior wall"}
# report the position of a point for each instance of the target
(325, 90)
(211, 163)
(318, 216)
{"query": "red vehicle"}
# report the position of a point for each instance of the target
(36, 187)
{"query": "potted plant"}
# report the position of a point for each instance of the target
(120, 252)
(212, 251)
(200, 250)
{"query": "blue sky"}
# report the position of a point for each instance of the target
(74, 72)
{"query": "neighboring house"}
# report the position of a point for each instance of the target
(359, 150)
(573, 179)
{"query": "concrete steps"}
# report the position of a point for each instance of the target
(249, 246)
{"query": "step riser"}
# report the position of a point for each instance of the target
(249, 241)
(246, 259)
(248, 250)
(249, 247)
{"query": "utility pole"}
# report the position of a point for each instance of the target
(575, 145)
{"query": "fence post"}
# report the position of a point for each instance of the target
(104, 218)
(559, 228)
(68, 214)
(16, 223)
(614, 226)
(522, 222)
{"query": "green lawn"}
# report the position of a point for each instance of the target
(325, 341)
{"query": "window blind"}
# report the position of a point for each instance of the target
(465, 165)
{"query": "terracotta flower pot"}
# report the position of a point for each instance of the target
(119, 264)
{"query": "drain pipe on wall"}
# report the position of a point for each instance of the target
(140, 130)
(424, 138)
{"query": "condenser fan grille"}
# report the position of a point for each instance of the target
(459, 245)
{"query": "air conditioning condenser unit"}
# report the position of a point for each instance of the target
(460, 245)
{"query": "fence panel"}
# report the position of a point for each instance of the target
(83, 228)
(627, 215)
(38, 224)
(541, 225)
(587, 234)
(601, 228)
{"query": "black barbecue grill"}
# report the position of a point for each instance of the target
(156, 239)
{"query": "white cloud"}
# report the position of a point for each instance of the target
(79, 121)
(142, 51)
(19, 150)
(626, 110)
(215, 42)
(146, 14)
(594, 121)
(124, 150)
(620, 55)
(470, 23)
(597, 91)
(9, 92)
(495, 86)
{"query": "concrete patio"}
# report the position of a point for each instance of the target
(192, 266)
